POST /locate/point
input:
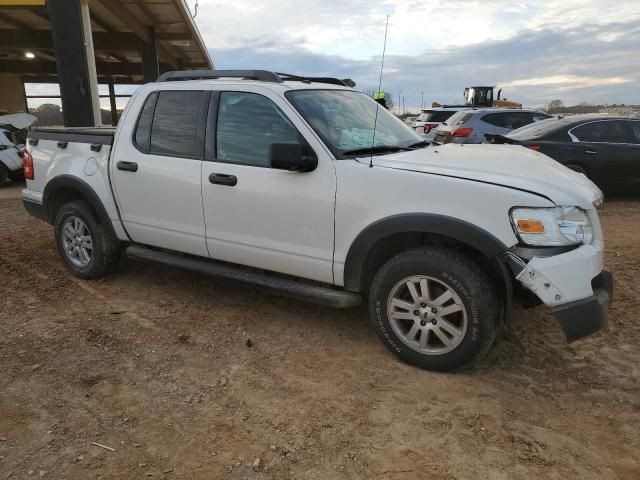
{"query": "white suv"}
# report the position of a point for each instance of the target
(284, 182)
(431, 118)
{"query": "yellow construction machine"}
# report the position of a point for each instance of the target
(482, 97)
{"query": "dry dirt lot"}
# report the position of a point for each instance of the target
(154, 363)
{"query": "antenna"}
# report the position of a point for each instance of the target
(375, 121)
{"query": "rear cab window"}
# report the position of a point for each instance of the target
(172, 123)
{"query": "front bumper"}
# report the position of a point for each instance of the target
(573, 284)
(585, 317)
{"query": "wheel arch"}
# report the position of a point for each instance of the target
(66, 188)
(389, 236)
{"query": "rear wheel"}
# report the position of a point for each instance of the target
(88, 249)
(4, 173)
(434, 308)
(16, 176)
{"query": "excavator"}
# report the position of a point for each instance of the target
(482, 97)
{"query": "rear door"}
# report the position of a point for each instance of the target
(257, 215)
(608, 153)
(156, 170)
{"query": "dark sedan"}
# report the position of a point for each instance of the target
(606, 149)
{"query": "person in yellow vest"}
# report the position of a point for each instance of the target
(379, 97)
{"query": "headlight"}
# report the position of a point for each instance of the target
(556, 226)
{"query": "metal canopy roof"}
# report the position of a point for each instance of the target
(119, 28)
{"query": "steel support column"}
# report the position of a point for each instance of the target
(112, 102)
(71, 61)
(150, 67)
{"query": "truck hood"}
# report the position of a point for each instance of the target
(18, 120)
(510, 166)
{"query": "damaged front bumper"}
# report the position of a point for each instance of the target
(585, 317)
(573, 284)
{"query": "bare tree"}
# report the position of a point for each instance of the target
(554, 105)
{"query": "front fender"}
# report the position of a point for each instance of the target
(450, 227)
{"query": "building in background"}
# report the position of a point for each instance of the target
(79, 44)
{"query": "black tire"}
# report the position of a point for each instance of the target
(577, 168)
(16, 176)
(106, 247)
(450, 270)
(4, 174)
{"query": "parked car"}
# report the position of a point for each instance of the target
(605, 149)
(277, 181)
(431, 118)
(472, 126)
(12, 137)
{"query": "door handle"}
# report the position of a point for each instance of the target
(127, 166)
(223, 179)
(590, 152)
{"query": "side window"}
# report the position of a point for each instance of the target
(247, 125)
(635, 131)
(496, 119)
(178, 122)
(143, 128)
(520, 119)
(612, 131)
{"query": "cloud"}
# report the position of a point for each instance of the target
(534, 65)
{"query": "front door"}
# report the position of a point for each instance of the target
(261, 216)
(156, 168)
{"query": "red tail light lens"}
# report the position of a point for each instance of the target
(462, 132)
(27, 164)
(533, 147)
(429, 126)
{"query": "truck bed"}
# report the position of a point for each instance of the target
(93, 135)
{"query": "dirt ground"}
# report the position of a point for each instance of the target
(154, 363)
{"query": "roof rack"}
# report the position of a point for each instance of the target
(347, 82)
(260, 75)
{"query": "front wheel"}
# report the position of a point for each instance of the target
(434, 308)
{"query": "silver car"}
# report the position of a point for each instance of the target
(470, 126)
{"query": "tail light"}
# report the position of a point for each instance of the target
(27, 163)
(462, 132)
(429, 126)
(533, 147)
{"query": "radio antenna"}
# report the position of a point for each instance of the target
(375, 121)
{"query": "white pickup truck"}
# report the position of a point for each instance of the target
(284, 182)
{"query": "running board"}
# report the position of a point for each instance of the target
(285, 286)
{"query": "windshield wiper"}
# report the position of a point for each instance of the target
(422, 144)
(377, 149)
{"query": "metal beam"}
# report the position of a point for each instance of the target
(41, 39)
(14, 22)
(174, 36)
(126, 17)
(38, 67)
(72, 66)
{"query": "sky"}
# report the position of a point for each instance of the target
(574, 50)
(536, 51)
